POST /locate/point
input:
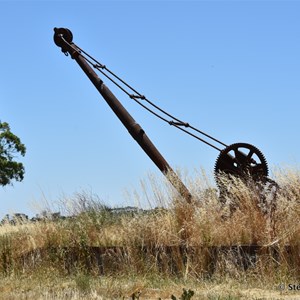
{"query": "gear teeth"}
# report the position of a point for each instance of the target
(225, 163)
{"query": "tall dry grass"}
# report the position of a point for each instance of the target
(205, 239)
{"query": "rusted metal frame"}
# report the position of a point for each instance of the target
(135, 130)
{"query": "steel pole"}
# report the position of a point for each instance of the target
(63, 38)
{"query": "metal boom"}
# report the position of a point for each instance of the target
(63, 38)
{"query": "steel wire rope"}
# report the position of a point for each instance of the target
(100, 67)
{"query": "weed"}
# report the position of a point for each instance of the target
(83, 283)
(136, 295)
(186, 295)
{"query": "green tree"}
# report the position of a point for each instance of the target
(10, 146)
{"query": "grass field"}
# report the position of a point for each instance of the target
(243, 247)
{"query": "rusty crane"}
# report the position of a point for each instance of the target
(239, 159)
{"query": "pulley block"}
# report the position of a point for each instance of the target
(61, 34)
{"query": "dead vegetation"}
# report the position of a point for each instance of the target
(203, 244)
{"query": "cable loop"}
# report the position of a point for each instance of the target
(96, 66)
(172, 123)
(132, 96)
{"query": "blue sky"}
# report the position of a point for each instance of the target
(230, 68)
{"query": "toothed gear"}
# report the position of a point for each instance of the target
(242, 160)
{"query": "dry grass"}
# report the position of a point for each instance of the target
(160, 251)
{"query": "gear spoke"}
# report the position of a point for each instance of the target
(251, 152)
(237, 155)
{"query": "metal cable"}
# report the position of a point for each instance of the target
(100, 67)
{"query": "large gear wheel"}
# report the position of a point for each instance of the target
(242, 160)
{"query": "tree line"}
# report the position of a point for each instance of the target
(10, 147)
